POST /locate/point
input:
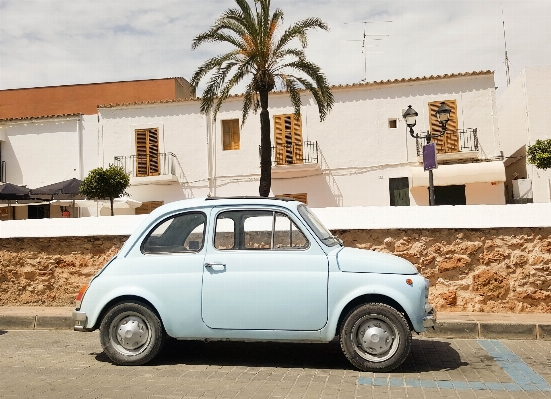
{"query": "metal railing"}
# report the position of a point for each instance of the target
(467, 140)
(292, 154)
(147, 165)
(3, 172)
(155, 165)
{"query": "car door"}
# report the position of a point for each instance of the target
(263, 271)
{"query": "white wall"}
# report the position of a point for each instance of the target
(360, 151)
(41, 152)
(384, 217)
(182, 130)
(523, 119)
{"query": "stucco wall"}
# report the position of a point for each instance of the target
(522, 121)
(41, 152)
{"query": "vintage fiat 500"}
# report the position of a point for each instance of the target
(252, 269)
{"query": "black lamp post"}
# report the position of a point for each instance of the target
(443, 115)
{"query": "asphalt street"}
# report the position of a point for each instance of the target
(66, 364)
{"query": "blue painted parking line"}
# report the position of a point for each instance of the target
(523, 376)
(514, 366)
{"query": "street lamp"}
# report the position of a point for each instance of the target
(429, 150)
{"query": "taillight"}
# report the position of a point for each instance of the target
(80, 295)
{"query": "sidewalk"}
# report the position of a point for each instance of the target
(466, 325)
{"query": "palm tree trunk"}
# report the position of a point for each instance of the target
(265, 147)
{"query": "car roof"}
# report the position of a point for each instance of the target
(220, 201)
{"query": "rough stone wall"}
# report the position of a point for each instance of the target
(486, 270)
(51, 271)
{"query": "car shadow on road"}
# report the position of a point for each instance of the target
(2, 332)
(426, 355)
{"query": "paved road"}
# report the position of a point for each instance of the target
(66, 364)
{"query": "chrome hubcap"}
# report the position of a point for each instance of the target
(375, 338)
(130, 334)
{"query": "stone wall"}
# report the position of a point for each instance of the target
(483, 270)
(51, 271)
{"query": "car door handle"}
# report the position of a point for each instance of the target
(216, 266)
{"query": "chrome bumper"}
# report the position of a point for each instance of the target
(430, 317)
(80, 321)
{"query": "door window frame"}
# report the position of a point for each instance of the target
(274, 211)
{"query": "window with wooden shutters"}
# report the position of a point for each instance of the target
(230, 134)
(147, 152)
(302, 197)
(450, 141)
(288, 139)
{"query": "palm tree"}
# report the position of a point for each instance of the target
(270, 63)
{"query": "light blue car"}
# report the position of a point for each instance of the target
(252, 269)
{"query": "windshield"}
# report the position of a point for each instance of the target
(319, 229)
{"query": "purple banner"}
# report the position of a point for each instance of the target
(429, 157)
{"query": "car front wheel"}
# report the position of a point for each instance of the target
(375, 337)
(131, 334)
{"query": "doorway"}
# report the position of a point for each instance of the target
(450, 195)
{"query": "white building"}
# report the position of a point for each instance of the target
(523, 119)
(360, 155)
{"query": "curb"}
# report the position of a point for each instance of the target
(489, 330)
(443, 329)
(8, 322)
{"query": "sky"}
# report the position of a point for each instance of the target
(62, 42)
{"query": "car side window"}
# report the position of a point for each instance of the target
(257, 230)
(287, 234)
(180, 233)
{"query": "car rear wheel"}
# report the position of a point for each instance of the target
(375, 337)
(131, 334)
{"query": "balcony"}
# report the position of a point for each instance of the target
(150, 169)
(295, 160)
(464, 148)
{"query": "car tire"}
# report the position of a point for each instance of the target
(375, 337)
(131, 334)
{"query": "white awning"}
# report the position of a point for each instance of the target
(465, 173)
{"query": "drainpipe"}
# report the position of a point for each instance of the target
(210, 156)
(80, 149)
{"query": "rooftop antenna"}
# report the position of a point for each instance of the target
(365, 35)
(506, 57)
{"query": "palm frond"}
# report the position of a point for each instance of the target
(324, 99)
(249, 101)
(298, 30)
(218, 37)
(211, 64)
(224, 87)
(291, 86)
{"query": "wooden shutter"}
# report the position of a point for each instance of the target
(288, 139)
(450, 141)
(148, 207)
(230, 134)
(302, 197)
(147, 152)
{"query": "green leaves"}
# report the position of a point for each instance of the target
(539, 154)
(103, 183)
(260, 53)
